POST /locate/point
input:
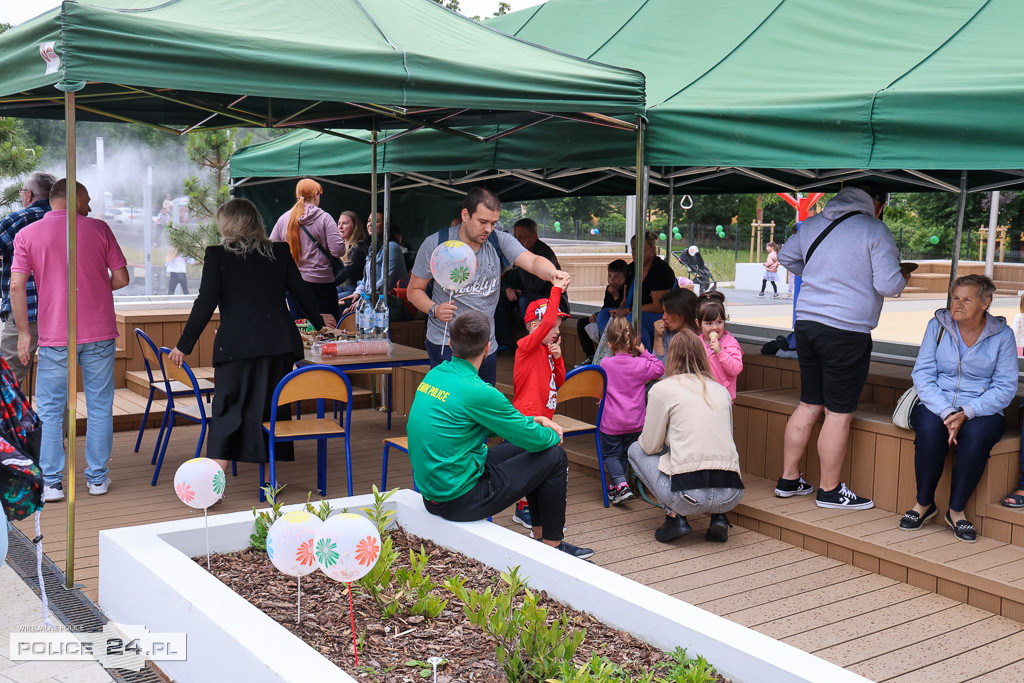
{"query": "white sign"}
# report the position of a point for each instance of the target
(49, 56)
(117, 646)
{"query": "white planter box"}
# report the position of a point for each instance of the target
(749, 276)
(147, 577)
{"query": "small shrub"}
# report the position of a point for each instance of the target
(266, 518)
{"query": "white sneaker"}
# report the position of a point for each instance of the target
(99, 489)
(52, 493)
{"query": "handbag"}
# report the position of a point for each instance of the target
(909, 400)
(337, 266)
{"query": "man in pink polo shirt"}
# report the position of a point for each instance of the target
(40, 250)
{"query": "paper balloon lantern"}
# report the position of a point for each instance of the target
(558, 225)
(453, 264)
(199, 482)
(291, 540)
(934, 239)
(347, 546)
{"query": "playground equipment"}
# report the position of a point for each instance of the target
(759, 241)
(1000, 242)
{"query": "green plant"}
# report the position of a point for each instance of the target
(323, 510)
(685, 669)
(377, 513)
(426, 669)
(415, 587)
(266, 518)
(528, 649)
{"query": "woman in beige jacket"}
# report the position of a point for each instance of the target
(686, 455)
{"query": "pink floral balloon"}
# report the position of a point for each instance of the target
(199, 483)
(347, 547)
(291, 541)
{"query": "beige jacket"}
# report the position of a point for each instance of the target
(699, 435)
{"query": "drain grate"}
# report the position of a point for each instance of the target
(71, 607)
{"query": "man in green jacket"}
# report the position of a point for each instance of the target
(461, 479)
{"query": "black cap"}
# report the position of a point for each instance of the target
(874, 191)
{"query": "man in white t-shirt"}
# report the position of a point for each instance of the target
(480, 212)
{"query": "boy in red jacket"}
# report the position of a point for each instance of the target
(539, 369)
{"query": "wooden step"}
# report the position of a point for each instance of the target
(988, 574)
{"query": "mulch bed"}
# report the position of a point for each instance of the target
(390, 644)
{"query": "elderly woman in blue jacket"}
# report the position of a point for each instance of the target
(965, 374)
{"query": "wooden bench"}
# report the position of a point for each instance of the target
(880, 459)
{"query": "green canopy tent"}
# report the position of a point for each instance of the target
(747, 95)
(190, 65)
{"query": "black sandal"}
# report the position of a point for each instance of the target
(913, 521)
(963, 529)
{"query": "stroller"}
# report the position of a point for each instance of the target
(699, 273)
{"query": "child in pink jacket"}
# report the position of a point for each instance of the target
(724, 353)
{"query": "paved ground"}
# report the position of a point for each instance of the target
(21, 610)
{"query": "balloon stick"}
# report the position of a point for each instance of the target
(352, 616)
(206, 522)
(298, 602)
(445, 335)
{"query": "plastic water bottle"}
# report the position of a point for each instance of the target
(380, 319)
(364, 319)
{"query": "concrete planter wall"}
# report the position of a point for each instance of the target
(147, 577)
(749, 276)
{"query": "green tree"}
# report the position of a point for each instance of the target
(211, 151)
(18, 156)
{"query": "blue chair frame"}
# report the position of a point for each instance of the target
(296, 396)
(184, 374)
(390, 443)
(155, 386)
(581, 389)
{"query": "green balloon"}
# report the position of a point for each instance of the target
(934, 239)
(558, 226)
(661, 236)
(721, 233)
(718, 228)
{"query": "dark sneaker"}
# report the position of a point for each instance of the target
(718, 530)
(843, 498)
(963, 529)
(673, 528)
(786, 488)
(620, 494)
(912, 520)
(570, 549)
(522, 514)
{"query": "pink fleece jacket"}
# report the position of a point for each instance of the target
(727, 365)
(624, 404)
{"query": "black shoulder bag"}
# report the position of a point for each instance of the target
(336, 265)
(825, 233)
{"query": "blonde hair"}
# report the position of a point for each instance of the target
(305, 191)
(1022, 303)
(241, 229)
(686, 356)
(357, 235)
(621, 336)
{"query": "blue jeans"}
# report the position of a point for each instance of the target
(96, 360)
(647, 321)
(931, 444)
(4, 529)
(614, 448)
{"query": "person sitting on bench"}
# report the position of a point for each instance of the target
(461, 479)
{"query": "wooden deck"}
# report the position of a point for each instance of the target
(876, 625)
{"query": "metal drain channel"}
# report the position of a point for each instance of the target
(71, 607)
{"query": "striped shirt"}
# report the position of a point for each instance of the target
(9, 227)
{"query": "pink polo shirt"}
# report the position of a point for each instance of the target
(41, 250)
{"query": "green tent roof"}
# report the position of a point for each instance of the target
(802, 88)
(281, 62)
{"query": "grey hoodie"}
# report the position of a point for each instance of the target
(851, 271)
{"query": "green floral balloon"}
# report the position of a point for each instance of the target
(326, 553)
(218, 482)
(460, 274)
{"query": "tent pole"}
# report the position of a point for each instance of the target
(671, 219)
(641, 227)
(72, 348)
(993, 226)
(372, 284)
(958, 236)
(386, 275)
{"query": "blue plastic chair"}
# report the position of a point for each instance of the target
(319, 382)
(589, 381)
(399, 443)
(151, 361)
(188, 405)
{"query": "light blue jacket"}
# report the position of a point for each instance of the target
(396, 269)
(983, 381)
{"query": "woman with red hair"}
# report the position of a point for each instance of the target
(311, 234)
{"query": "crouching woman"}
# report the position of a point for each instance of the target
(686, 455)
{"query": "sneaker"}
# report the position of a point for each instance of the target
(581, 553)
(760, 295)
(843, 498)
(620, 494)
(787, 488)
(522, 514)
(100, 488)
(52, 493)
(775, 296)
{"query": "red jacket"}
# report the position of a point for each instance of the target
(537, 374)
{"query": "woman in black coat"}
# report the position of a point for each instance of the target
(257, 342)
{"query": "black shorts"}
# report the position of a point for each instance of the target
(833, 365)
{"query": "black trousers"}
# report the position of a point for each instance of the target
(510, 473)
(175, 279)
